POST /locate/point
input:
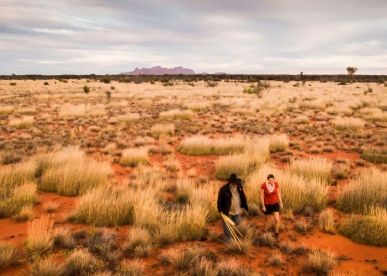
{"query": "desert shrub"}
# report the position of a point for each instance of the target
(320, 262)
(134, 156)
(279, 143)
(23, 122)
(367, 191)
(81, 262)
(375, 156)
(132, 268)
(39, 237)
(9, 255)
(162, 129)
(46, 267)
(327, 221)
(240, 248)
(297, 192)
(312, 168)
(177, 114)
(69, 173)
(12, 83)
(368, 229)
(63, 239)
(348, 124)
(139, 243)
(86, 89)
(202, 145)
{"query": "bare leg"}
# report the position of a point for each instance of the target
(277, 221)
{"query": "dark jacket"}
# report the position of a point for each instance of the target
(224, 198)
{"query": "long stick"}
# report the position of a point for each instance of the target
(237, 241)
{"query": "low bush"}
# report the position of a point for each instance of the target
(81, 263)
(24, 122)
(162, 129)
(348, 124)
(139, 243)
(46, 267)
(177, 114)
(375, 156)
(278, 143)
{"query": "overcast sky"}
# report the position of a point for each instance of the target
(233, 36)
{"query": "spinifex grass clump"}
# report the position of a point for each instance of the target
(106, 206)
(39, 237)
(177, 114)
(320, 262)
(297, 192)
(369, 190)
(162, 129)
(69, 173)
(348, 124)
(278, 143)
(375, 156)
(134, 156)
(254, 154)
(312, 168)
(367, 229)
(17, 189)
(327, 221)
(202, 145)
(9, 255)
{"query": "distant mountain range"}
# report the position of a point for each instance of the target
(158, 70)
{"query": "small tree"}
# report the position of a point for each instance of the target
(351, 71)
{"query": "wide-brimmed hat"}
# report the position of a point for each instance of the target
(233, 178)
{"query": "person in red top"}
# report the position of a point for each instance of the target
(271, 201)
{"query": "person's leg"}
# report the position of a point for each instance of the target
(237, 219)
(226, 231)
(277, 222)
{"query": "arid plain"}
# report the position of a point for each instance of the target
(113, 178)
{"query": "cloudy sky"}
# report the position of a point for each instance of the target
(233, 36)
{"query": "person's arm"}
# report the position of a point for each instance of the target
(280, 198)
(263, 200)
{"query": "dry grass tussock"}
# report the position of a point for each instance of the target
(312, 168)
(202, 145)
(327, 221)
(128, 118)
(23, 122)
(9, 255)
(368, 229)
(81, 110)
(368, 191)
(69, 172)
(134, 156)
(6, 109)
(39, 236)
(177, 114)
(162, 129)
(139, 204)
(348, 124)
(254, 154)
(278, 142)
(320, 262)
(298, 192)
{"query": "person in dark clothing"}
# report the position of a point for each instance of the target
(231, 200)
